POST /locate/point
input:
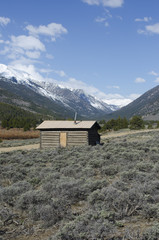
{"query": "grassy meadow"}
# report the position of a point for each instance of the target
(106, 192)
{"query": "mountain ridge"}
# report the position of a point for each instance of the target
(61, 101)
(147, 106)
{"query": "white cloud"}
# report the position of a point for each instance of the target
(100, 19)
(5, 50)
(153, 73)
(4, 21)
(105, 3)
(157, 80)
(145, 19)
(140, 80)
(30, 69)
(20, 59)
(92, 2)
(121, 102)
(106, 24)
(150, 29)
(134, 96)
(21, 47)
(107, 16)
(116, 87)
(53, 30)
(153, 28)
(27, 43)
(46, 70)
(49, 56)
(140, 31)
(61, 73)
(33, 54)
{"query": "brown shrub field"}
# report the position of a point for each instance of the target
(16, 133)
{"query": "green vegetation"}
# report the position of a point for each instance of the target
(137, 123)
(15, 117)
(82, 193)
(21, 142)
(114, 124)
(157, 124)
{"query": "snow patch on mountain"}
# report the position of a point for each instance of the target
(66, 96)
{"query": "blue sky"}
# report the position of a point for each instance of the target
(109, 48)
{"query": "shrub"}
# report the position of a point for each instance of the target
(110, 170)
(151, 233)
(84, 193)
(9, 194)
(34, 197)
(136, 123)
(79, 229)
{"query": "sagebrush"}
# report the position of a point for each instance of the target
(83, 193)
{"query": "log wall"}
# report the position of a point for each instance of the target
(76, 138)
(51, 139)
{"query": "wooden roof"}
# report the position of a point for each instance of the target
(67, 125)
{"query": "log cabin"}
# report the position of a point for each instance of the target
(68, 133)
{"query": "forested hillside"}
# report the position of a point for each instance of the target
(15, 117)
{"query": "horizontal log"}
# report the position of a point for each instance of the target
(73, 136)
(50, 135)
(50, 145)
(49, 142)
(77, 140)
(77, 137)
(50, 139)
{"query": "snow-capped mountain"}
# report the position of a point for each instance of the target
(59, 97)
(20, 76)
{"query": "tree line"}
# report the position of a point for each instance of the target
(135, 123)
(15, 117)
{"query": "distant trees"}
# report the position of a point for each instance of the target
(136, 123)
(15, 117)
(115, 125)
(19, 122)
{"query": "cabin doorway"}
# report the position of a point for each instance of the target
(63, 139)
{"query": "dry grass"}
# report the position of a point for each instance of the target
(16, 133)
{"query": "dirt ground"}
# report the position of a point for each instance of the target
(25, 147)
(114, 134)
(103, 137)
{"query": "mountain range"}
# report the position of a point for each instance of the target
(21, 89)
(147, 106)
